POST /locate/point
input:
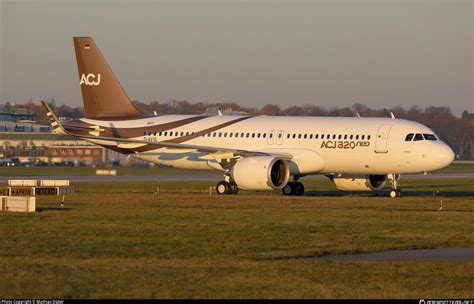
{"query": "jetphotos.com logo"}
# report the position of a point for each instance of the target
(90, 79)
(422, 301)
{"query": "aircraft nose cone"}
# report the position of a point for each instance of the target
(445, 155)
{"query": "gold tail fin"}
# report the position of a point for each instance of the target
(102, 94)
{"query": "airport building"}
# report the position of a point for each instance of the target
(49, 147)
(28, 142)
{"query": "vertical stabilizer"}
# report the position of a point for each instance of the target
(102, 94)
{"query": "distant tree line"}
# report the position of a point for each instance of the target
(457, 132)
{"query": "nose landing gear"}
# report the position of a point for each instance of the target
(395, 192)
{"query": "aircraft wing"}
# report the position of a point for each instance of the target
(214, 152)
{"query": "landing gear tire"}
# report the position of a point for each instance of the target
(223, 187)
(233, 188)
(395, 193)
(289, 189)
(299, 188)
(293, 189)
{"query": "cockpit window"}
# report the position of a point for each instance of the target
(409, 137)
(429, 137)
(418, 136)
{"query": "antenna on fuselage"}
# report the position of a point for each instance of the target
(391, 114)
(357, 114)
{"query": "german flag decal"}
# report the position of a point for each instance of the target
(87, 46)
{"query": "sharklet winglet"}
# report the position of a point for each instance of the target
(54, 121)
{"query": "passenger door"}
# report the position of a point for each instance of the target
(382, 137)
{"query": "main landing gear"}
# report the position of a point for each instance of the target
(225, 187)
(293, 188)
(395, 192)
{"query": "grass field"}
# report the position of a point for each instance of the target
(120, 240)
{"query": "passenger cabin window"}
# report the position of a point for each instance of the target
(418, 136)
(409, 137)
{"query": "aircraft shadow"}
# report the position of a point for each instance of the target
(434, 186)
(385, 193)
(42, 209)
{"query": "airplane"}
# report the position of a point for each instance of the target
(253, 152)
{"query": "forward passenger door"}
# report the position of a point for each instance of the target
(382, 137)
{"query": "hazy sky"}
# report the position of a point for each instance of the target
(331, 53)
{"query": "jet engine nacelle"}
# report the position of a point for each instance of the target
(360, 183)
(261, 173)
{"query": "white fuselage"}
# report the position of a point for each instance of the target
(317, 145)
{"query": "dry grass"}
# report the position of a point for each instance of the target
(120, 240)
